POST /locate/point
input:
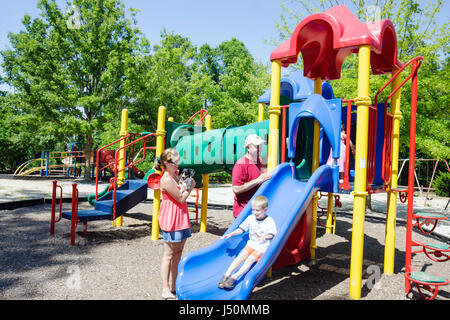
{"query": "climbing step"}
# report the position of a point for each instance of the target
(426, 277)
(429, 215)
(439, 246)
(128, 195)
(89, 215)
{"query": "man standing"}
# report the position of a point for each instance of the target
(248, 174)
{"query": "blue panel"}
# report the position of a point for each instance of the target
(379, 142)
(297, 87)
(327, 112)
(325, 148)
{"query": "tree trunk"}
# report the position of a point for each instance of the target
(88, 153)
(369, 202)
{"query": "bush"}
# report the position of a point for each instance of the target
(442, 184)
(220, 177)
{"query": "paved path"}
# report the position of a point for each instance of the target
(18, 190)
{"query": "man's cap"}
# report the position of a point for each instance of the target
(253, 139)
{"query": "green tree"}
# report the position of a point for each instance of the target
(171, 76)
(23, 136)
(418, 34)
(68, 69)
(241, 81)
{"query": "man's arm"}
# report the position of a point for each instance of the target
(251, 184)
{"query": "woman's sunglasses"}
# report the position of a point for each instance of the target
(174, 162)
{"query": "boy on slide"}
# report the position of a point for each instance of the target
(262, 229)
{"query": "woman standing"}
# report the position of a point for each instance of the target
(173, 219)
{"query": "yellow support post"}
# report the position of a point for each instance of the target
(160, 134)
(389, 247)
(330, 223)
(359, 203)
(315, 165)
(274, 116)
(122, 154)
(274, 121)
(205, 179)
(260, 112)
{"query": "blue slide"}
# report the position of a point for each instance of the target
(200, 271)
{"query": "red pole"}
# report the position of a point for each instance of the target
(74, 220)
(283, 135)
(346, 183)
(412, 154)
(115, 183)
(52, 221)
(96, 173)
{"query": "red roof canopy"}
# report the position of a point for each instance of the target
(325, 39)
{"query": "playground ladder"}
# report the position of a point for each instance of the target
(426, 283)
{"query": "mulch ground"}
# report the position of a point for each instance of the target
(124, 263)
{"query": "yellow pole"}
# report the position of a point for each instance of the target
(160, 134)
(315, 165)
(260, 112)
(274, 116)
(389, 247)
(122, 154)
(274, 121)
(329, 225)
(359, 203)
(205, 179)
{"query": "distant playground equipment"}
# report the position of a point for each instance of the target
(55, 163)
(420, 187)
(310, 131)
(123, 194)
(303, 143)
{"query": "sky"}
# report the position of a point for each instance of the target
(203, 21)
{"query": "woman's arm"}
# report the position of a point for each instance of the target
(169, 185)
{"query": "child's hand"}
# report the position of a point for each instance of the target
(226, 236)
(260, 239)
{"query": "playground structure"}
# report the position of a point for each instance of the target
(296, 153)
(325, 40)
(54, 163)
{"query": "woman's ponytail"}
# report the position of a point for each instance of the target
(158, 164)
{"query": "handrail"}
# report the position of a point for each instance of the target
(283, 133)
(417, 62)
(371, 149)
(201, 116)
(345, 185)
(129, 144)
(395, 76)
(69, 154)
(98, 161)
(52, 218)
(23, 165)
(116, 161)
(74, 217)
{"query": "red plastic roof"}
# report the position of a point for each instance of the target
(325, 39)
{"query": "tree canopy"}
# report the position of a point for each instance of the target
(418, 34)
(73, 70)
